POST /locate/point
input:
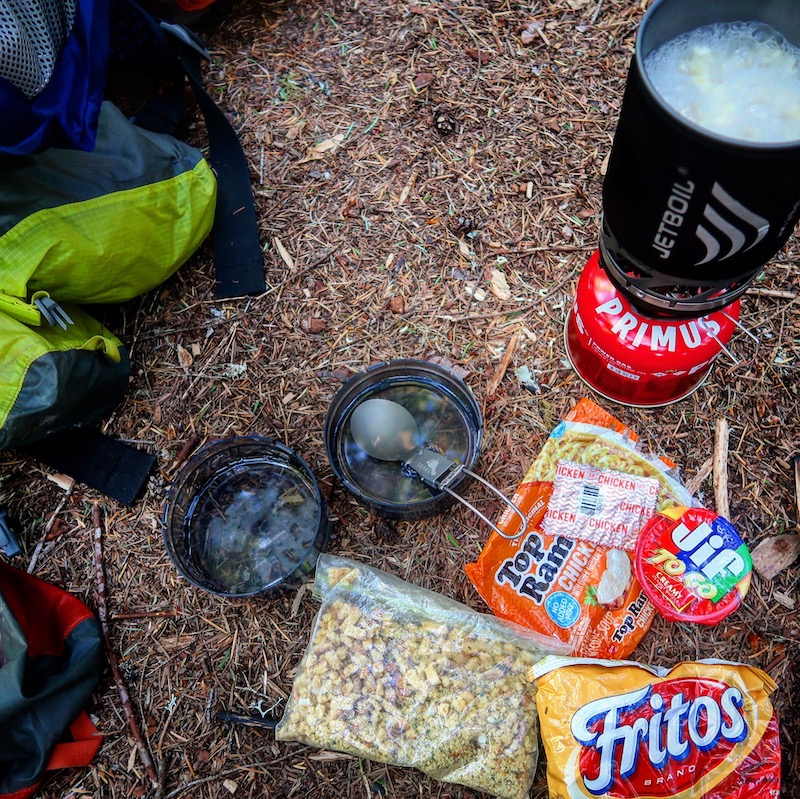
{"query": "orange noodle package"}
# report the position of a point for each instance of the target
(702, 730)
(571, 576)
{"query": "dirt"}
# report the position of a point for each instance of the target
(399, 153)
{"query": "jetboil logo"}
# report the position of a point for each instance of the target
(726, 222)
(683, 728)
(729, 230)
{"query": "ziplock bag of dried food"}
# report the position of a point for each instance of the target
(570, 576)
(402, 675)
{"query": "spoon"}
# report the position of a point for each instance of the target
(386, 431)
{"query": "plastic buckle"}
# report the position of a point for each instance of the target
(187, 37)
(8, 541)
(52, 312)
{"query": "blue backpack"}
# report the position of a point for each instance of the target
(54, 59)
(53, 56)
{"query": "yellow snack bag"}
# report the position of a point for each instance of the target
(701, 730)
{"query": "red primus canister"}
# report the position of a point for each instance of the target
(634, 359)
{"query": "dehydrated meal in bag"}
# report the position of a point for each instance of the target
(702, 730)
(571, 576)
(405, 676)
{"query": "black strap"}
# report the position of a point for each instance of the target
(175, 53)
(238, 260)
(106, 464)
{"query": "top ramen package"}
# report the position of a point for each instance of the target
(571, 576)
(703, 730)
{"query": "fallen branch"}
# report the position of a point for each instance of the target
(721, 469)
(184, 453)
(102, 613)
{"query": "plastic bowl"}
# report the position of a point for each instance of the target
(245, 516)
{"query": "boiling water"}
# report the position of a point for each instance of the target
(739, 79)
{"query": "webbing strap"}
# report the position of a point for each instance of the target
(106, 464)
(238, 260)
(81, 750)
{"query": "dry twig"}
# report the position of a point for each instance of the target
(102, 613)
(721, 469)
(51, 521)
(693, 485)
(511, 348)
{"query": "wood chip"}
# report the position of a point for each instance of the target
(774, 554)
(481, 56)
(63, 481)
(298, 599)
(313, 325)
(320, 150)
(284, 253)
(397, 305)
(330, 756)
(499, 285)
(185, 358)
(423, 80)
(406, 189)
(696, 482)
(476, 292)
(503, 366)
(465, 250)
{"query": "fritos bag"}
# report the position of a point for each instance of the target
(702, 730)
(577, 588)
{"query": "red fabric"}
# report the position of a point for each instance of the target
(45, 613)
(69, 754)
(24, 793)
(81, 750)
(193, 5)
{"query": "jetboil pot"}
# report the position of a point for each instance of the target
(691, 216)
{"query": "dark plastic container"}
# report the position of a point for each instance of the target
(449, 422)
(244, 517)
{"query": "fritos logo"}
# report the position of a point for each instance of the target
(660, 739)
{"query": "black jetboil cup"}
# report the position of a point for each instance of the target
(690, 216)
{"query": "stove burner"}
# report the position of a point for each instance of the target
(656, 294)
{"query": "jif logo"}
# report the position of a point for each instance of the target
(717, 230)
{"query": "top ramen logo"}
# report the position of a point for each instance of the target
(632, 740)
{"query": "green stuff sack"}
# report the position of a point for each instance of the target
(87, 227)
(107, 225)
(52, 379)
